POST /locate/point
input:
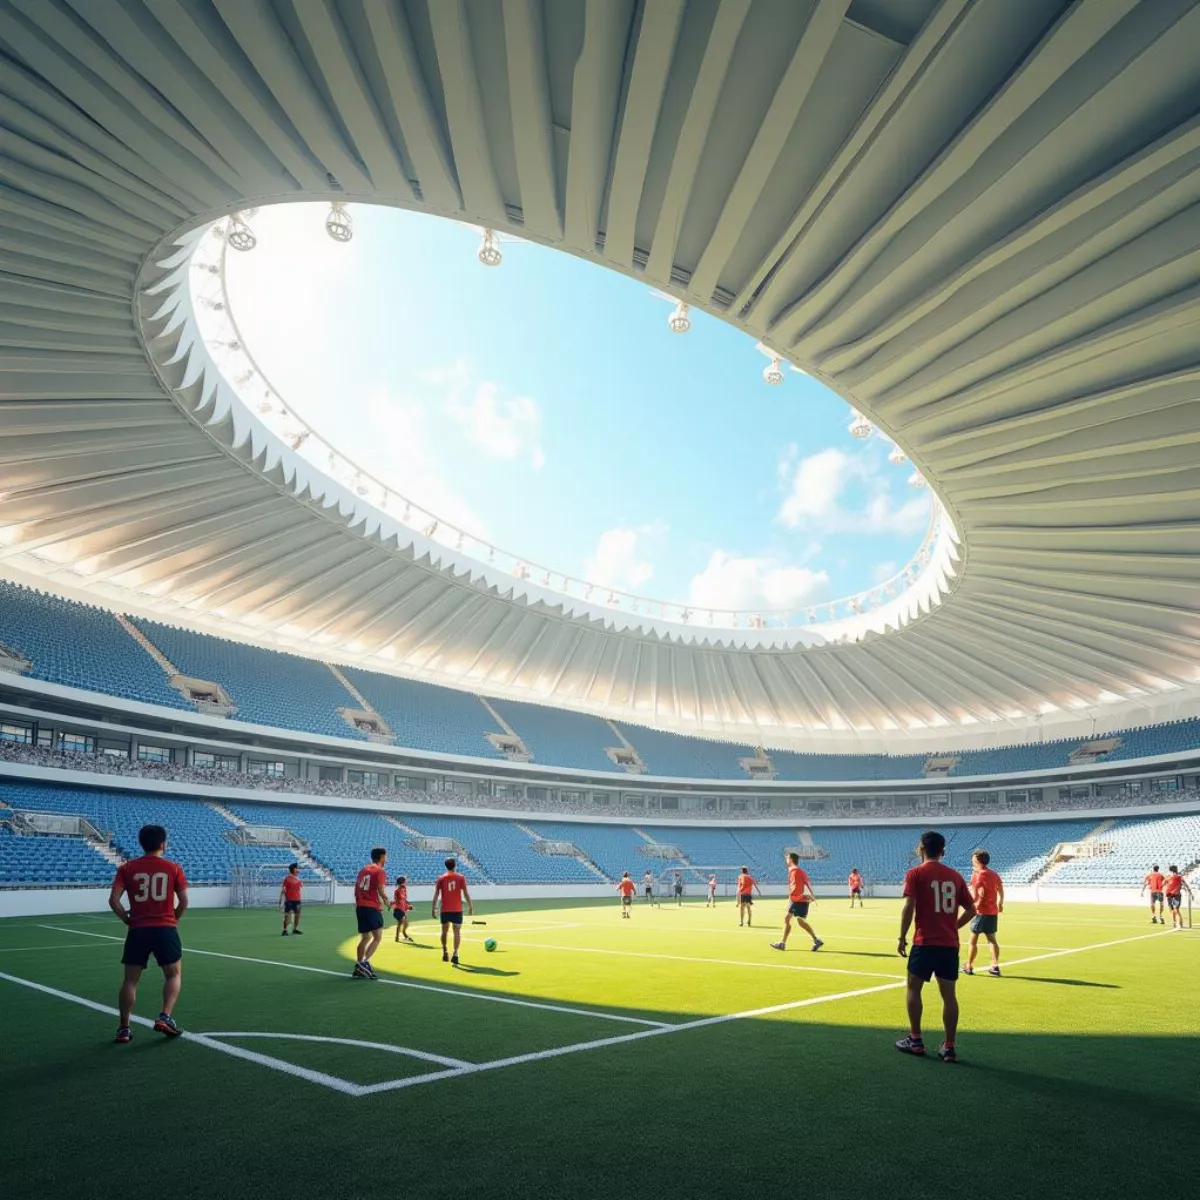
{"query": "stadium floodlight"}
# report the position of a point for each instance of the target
(860, 427)
(489, 249)
(679, 321)
(916, 480)
(897, 456)
(239, 235)
(338, 224)
(773, 372)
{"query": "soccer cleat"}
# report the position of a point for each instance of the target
(283, 934)
(298, 932)
(369, 970)
(778, 945)
(994, 972)
(817, 943)
(968, 970)
(124, 1035)
(454, 960)
(946, 1054)
(911, 1045)
(445, 956)
(359, 972)
(408, 939)
(165, 1024)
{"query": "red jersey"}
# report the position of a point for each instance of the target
(450, 888)
(151, 883)
(400, 899)
(1173, 886)
(855, 882)
(372, 879)
(291, 887)
(797, 884)
(939, 892)
(745, 885)
(1154, 881)
(626, 887)
(985, 887)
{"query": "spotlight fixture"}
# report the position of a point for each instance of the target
(860, 427)
(239, 235)
(916, 480)
(773, 372)
(679, 321)
(489, 249)
(338, 224)
(897, 456)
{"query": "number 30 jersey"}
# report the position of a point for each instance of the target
(940, 891)
(151, 883)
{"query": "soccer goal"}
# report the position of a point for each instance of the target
(258, 886)
(695, 880)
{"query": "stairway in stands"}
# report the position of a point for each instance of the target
(169, 668)
(579, 855)
(303, 857)
(464, 855)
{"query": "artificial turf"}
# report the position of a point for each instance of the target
(1078, 1072)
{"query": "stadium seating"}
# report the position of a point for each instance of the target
(558, 738)
(681, 757)
(45, 861)
(613, 848)
(80, 646)
(1135, 844)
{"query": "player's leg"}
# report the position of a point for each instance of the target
(296, 919)
(127, 997)
(445, 935)
(810, 931)
(995, 947)
(172, 985)
(374, 939)
(914, 1005)
(949, 1011)
(972, 950)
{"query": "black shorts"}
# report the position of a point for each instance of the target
(927, 961)
(649, 891)
(745, 899)
(985, 923)
(1174, 901)
(291, 906)
(679, 889)
(160, 940)
(626, 899)
(451, 918)
(856, 891)
(369, 919)
(1156, 897)
(798, 908)
(399, 914)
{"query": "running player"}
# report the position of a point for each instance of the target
(712, 891)
(451, 890)
(289, 898)
(1154, 881)
(1173, 889)
(401, 908)
(370, 896)
(678, 889)
(800, 895)
(627, 888)
(854, 882)
(933, 894)
(648, 886)
(157, 891)
(987, 890)
(746, 887)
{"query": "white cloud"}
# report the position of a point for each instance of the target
(731, 582)
(619, 560)
(884, 571)
(502, 428)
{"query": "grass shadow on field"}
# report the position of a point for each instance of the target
(1091, 983)
(468, 969)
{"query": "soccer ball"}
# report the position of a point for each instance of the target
(490, 945)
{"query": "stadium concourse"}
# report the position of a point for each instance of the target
(226, 644)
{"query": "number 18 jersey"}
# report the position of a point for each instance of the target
(151, 883)
(939, 891)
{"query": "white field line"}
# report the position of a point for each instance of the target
(839, 936)
(404, 983)
(423, 1055)
(61, 946)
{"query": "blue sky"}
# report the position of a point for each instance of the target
(544, 405)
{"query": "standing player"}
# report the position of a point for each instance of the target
(401, 908)
(855, 884)
(451, 890)
(746, 887)
(1154, 881)
(157, 891)
(1173, 889)
(712, 892)
(678, 889)
(987, 890)
(648, 886)
(800, 895)
(933, 894)
(627, 888)
(370, 896)
(289, 898)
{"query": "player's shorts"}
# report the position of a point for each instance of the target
(626, 900)
(399, 914)
(291, 906)
(453, 918)
(798, 908)
(1156, 897)
(1174, 901)
(745, 898)
(678, 890)
(160, 940)
(856, 891)
(649, 891)
(927, 961)
(369, 919)
(985, 923)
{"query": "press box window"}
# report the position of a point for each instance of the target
(156, 754)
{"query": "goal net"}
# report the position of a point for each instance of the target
(694, 879)
(258, 886)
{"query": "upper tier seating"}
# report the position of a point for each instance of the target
(682, 757)
(558, 738)
(268, 687)
(80, 646)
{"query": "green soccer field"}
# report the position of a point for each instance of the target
(591, 1056)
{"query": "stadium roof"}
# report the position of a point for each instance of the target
(976, 221)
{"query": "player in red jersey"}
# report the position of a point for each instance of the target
(855, 883)
(157, 893)
(289, 898)
(1173, 889)
(370, 896)
(1154, 881)
(451, 890)
(800, 895)
(934, 894)
(626, 888)
(746, 887)
(987, 890)
(401, 908)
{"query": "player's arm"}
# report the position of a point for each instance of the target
(114, 899)
(1183, 883)
(437, 892)
(757, 888)
(968, 908)
(1145, 882)
(470, 903)
(181, 898)
(906, 920)
(282, 895)
(1000, 896)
